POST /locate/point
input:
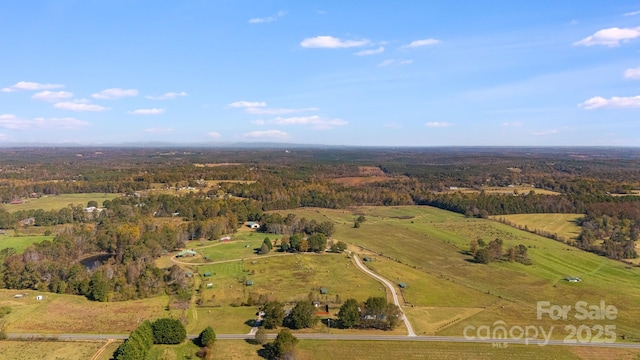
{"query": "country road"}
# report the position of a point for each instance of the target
(389, 285)
(348, 337)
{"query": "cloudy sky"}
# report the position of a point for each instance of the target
(362, 72)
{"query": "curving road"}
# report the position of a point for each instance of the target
(389, 285)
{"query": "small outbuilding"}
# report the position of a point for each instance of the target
(323, 290)
(249, 282)
(366, 259)
(209, 285)
(253, 225)
(572, 279)
(402, 285)
(225, 239)
(207, 274)
(39, 297)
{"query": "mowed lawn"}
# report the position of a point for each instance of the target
(435, 242)
(244, 245)
(57, 313)
(19, 243)
(55, 202)
(564, 225)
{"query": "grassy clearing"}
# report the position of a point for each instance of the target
(48, 350)
(75, 314)
(225, 320)
(56, 202)
(288, 279)
(244, 245)
(187, 350)
(434, 242)
(564, 225)
(21, 242)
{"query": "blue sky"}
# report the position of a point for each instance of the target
(403, 73)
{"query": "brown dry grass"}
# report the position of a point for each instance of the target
(361, 180)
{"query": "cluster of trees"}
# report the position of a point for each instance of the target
(140, 341)
(374, 313)
(611, 229)
(486, 253)
(301, 316)
(127, 269)
(313, 243)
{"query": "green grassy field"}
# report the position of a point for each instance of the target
(564, 225)
(21, 242)
(434, 242)
(288, 278)
(242, 245)
(54, 202)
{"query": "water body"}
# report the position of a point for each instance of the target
(93, 262)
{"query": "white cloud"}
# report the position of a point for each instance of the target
(331, 42)
(276, 111)
(80, 105)
(379, 50)
(420, 43)
(167, 96)
(115, 93)
(437, 124)
(247, 104)
(545, 132)
(632, 73)
(614, 102)
(316, 122)
(610, 37)
(512, 124)
(268, 19)
(153, 111)
(158, 130)
(10, 121)
(274, 134)
(31, 86)
(395, 62)
(52, 96)
(214, 135)
(632, 13)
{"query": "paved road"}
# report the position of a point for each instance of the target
(389, 285)
(347, 337)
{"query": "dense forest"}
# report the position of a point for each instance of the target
(130, 234)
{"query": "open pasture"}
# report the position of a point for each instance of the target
(436, 242)
(57, 313)
(288, 279)
(56, 202)
(564, 225)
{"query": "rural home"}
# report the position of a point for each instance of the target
(253, 225)
(184, 253)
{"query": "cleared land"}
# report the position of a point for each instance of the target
(21, 242)
(288, 279)
(56, 202)
(435, 242)
(49, 350)
(57, 313)
(564, 225)
(518, 189)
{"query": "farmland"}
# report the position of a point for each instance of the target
(563, 225)
(433, 242)
(56, 202)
